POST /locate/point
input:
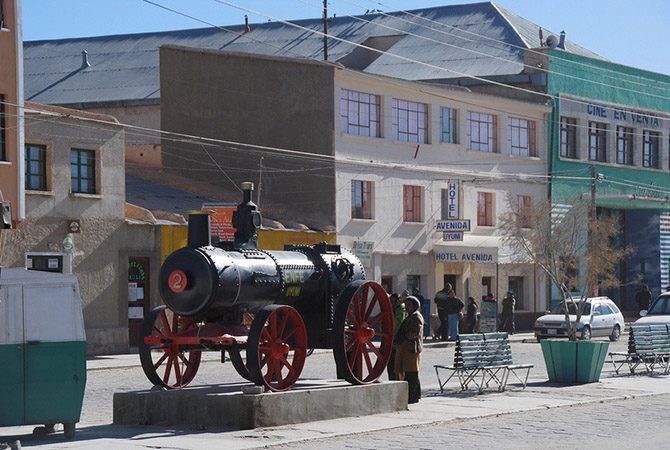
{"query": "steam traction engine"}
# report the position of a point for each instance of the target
(303, 297)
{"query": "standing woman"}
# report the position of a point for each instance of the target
(409, 344)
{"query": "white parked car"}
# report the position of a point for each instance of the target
(601, 317)
(659, 312)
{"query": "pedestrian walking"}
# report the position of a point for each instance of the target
(454, 314)
(643, 298)
(441, 298)
(409, 345)
(507, 319)
(471, 315)
(399, 314)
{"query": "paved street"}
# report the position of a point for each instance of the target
(618, 410)
(631, 423)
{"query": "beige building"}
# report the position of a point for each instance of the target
(75, 207)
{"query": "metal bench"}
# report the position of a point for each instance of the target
(648, 347)
(483, 359)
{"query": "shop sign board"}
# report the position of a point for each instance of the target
(363, 249)
(221, 220)
(453, 225)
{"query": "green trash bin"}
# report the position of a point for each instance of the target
(42, 349)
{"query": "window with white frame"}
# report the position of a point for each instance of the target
(448, 122)
(359, 113)
(361, 199)
(651, 141)
(569, 137)
(598, 141)
(410, 121)
(522, 137)
(485, 209)
(624, 145)
(483, 130)
(412, 201)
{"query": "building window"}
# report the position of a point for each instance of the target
(412, 199)
(36, 167)
(569, 137)
(624, 145)
(448, 121)
(485, 209)
(82, 171)
(650, 148)
(598, 141)
(522, 137)
(413, 282)
(361, 199)
(410, 121)
(524, 206)
(483, 132)
(359, 113)
(3, 150)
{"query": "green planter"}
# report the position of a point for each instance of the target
(574, 362)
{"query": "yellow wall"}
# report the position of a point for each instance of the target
(9, 168)
(174, 237)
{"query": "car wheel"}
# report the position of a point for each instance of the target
(586, 333)
(616, 333)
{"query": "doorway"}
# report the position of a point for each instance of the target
(138, 297)
(516, 286)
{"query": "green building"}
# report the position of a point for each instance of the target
(612, 123)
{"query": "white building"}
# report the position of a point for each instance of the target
(409, 155)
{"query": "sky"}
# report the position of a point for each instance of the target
(627, 32)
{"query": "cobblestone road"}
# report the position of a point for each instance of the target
(102, 384)
(633, 423)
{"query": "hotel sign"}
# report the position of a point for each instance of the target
(453, 207)
(467, 255)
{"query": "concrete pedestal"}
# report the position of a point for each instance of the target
(227, 406)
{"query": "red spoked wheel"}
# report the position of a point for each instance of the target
(164, 361)
(363, 335)
(277, 347)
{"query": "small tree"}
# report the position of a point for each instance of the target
(574, 247)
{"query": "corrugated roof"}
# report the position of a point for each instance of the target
(126, 67)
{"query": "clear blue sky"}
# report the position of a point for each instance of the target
(630, 32)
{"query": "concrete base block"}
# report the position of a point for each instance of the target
(227, 406)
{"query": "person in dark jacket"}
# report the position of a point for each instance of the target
(507, 316)
(643, 298)
(471, 315)
(453, 310)
(441, 298)
(409, 345)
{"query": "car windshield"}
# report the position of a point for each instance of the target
(660, 306)
(558, 309)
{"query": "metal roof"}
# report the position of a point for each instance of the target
(452, 41)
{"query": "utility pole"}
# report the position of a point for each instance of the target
(325, 30)
(594, 177)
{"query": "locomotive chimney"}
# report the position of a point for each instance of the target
(199, 232)
(247, 219)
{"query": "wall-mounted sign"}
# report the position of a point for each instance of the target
(599, 112)
(221, 219)
(452, 200)
(453, 225)
(452, 235)
(363, 249)
(468, 255)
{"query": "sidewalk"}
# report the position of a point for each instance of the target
(434, 407)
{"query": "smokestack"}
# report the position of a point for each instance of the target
(561, 41)
(541, 38)
(84, 59)
(247, 28)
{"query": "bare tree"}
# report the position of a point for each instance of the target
(577, 249)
